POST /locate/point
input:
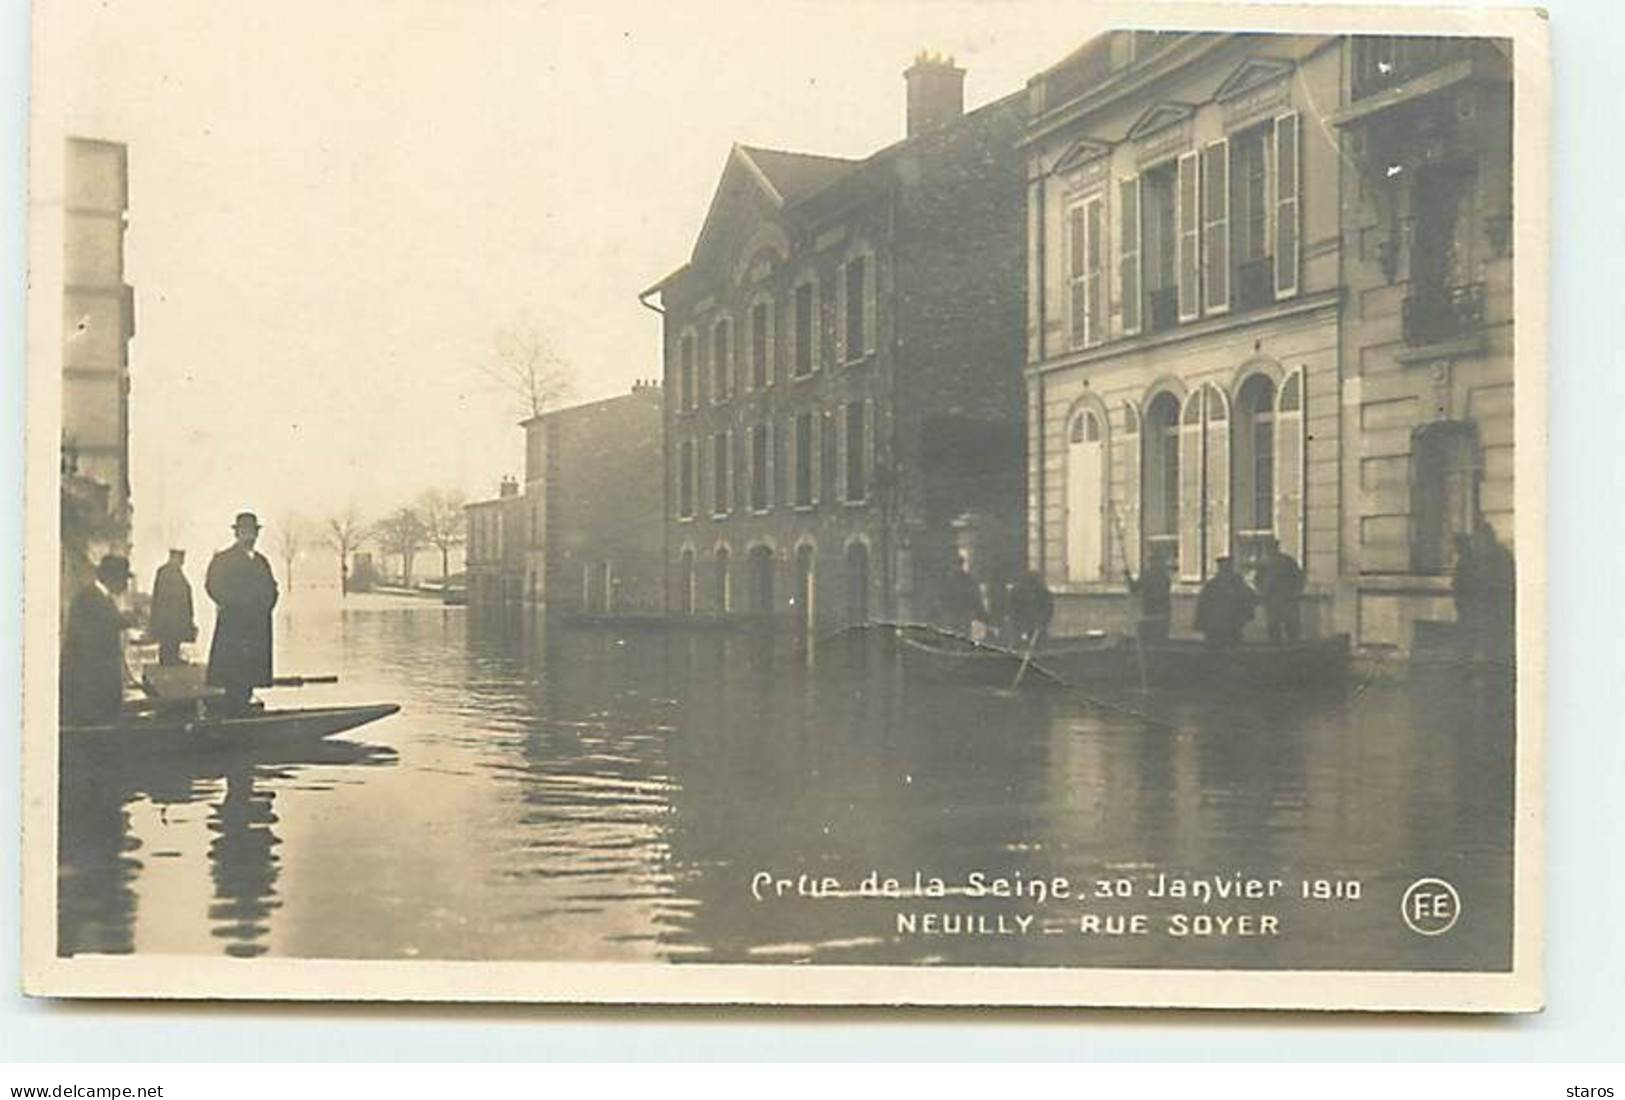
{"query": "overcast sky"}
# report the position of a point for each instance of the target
(334, 206)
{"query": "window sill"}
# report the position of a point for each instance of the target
(859, 360)
(685, 519)
(803, 377)
(1457, 348)
(803, 507)
(863, 503)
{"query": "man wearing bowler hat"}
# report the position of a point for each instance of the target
(93, 647)
(239, 581)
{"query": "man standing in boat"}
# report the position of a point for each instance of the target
(1280, 586)
(961, 600)
(1224, 606)
(93, 647)
(171, 622)
(240, 583)
(1032, 606)
(1153, 588)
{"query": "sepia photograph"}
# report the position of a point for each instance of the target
(964, 504)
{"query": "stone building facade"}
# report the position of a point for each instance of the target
(842, 366)
(495, 547)
(593, 506)
(1233, 303)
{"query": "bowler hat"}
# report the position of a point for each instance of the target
(113, 567)
(245, 519)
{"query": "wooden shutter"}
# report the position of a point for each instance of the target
(1077, 282)
(817, 320)
(767, 445)
(1128, 514)
(737, 471)
(869, 449)
(842, 487)
(1190, 248)
(1128, 268)
(1289, 465)
(1286, 205)
(1218, 474)
(771, 374)
(792, 452)
(1094, 264)
(816, 424)
(1216, 226)
(871, 290)
(1192, 567)
(841, 304)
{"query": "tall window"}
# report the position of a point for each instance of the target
(723, 595)
(1250, 216)
(1160, 487)
(856, 299)
(721, 359)
(805, 328)
(685, 583)
(758, 468)
(719, 474)
(1087, 248)
(1255, 464)
(1444, 491)
(685, 372)
(759, 367)
(685, 480)
(856, 438)
(1085, 503)
(1160, 247)
(804, 443)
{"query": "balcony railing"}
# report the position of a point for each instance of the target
(1443, 314)
(1385, 61)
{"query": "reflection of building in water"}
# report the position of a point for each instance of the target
(842, 358)
(96, 871)
(1269, 298)
(243, 864)
(98, 320)
(592, 505)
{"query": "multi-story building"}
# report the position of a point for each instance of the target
(842, 365)
(98, 321)
(1257, 311)
(496, 545)
(593, 505)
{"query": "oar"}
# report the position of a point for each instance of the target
(302, 681)
(1027, 659)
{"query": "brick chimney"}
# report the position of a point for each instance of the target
(509, 487)
(936, 93)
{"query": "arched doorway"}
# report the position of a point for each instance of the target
(1159, 486)
(857, 584)
(806, 589)
(1085, 478)
(1254, 499)
(761, 579)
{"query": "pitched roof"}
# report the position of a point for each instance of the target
(796, 175)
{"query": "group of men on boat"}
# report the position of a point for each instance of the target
(239, 581)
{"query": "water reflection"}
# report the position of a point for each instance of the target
(574, 793)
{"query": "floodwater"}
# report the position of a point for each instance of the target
(565, 793)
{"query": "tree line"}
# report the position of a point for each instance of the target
(431, 522)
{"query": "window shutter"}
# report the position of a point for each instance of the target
(841, 306)
(1128, 447)
(1216, 226)
(738, 473)
(1191, 564)
(1077, 281)
(842, 487)
(792, 448)
(1218, 474)
(1286, 205)
(1190, 213)
(871, 280)
(817, 329)
(1289, 466)
(817, 479)
(1128, 235)
(772, 315)
(767, 445)
(701, 489)
(1094, 219)
(869, 449)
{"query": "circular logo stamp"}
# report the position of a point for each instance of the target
(1430, 907)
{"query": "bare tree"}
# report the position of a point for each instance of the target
(288, 536)
(346, 532)
(443, 523)
(401, 533)
(526, 364)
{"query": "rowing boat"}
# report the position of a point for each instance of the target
(165, 731)
(1189, 663)
(945, 655)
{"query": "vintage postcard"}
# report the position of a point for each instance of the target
(1007, 503)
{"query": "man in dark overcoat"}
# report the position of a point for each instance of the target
(93, 647)
(1224, 606)
(240, 583)
(1154, 587)
(1280, 586)
(171, 621)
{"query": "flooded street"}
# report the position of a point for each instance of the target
(560, 793)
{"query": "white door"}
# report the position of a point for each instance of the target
(1085, 456)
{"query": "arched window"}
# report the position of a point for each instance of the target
(723, 594)
(1085, 497)
(1255, 465)
(1159, 491)
(761, 579)
(857, 583)
(722, 346)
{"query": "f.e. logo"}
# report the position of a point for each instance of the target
(1430, 907)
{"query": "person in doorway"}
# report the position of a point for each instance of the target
(93, 673)
(1224, 606)
(240, 583)
(961, 600)
(171, 622)
(1280, 586)
(1032, 606)
(1153, 586)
